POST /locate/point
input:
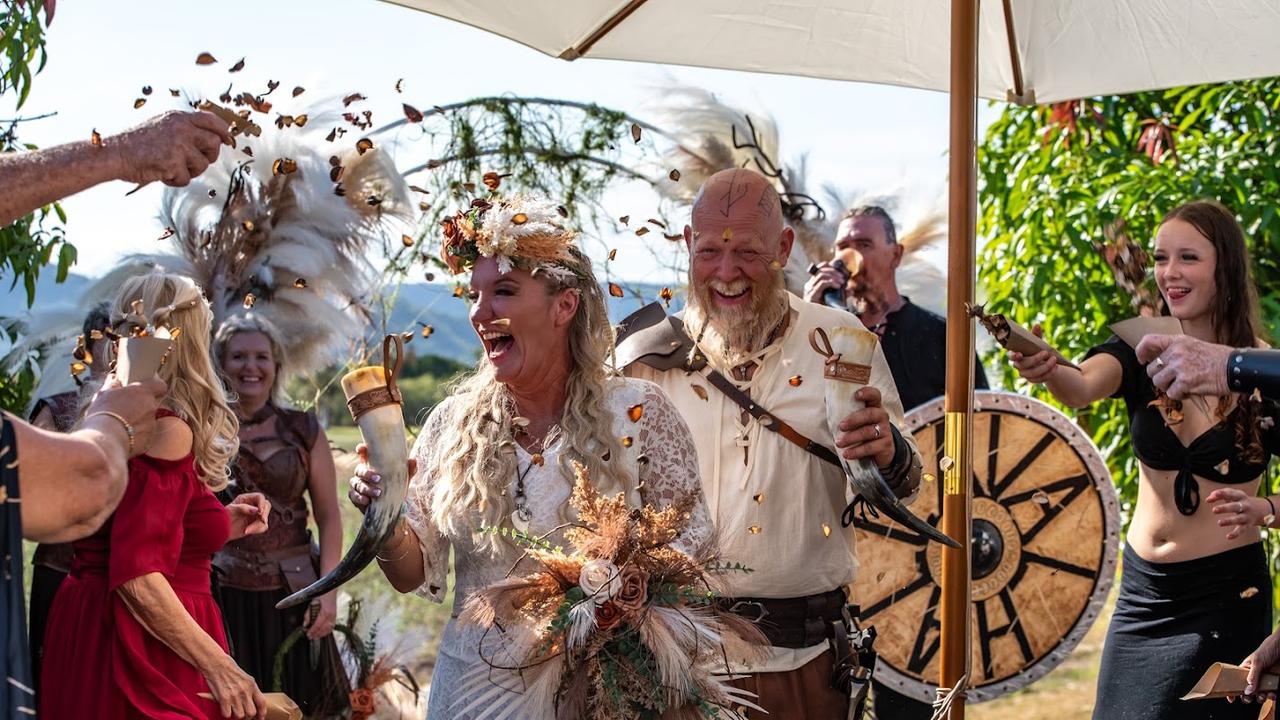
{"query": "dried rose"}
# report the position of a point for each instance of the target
(362, 700)
(600, 580)
(634, 590)
(608, 616)
(452, 241)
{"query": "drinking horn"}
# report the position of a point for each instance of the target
(376, 405)
(849, 352)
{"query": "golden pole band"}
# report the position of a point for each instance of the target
(956, 447)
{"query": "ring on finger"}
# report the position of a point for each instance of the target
(1159, 362)
(876, 428)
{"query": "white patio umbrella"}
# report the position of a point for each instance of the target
(1021, 51)
(1038, 50)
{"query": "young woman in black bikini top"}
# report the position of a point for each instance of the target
(1194, 586)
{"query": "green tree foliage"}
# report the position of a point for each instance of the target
(31, 242)
(1054, 178)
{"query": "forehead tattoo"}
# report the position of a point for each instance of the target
(733, 193)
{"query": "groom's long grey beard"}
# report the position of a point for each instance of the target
(729, 337)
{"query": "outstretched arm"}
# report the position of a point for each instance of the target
(172, 148)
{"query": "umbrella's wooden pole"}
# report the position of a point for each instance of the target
(962, 204)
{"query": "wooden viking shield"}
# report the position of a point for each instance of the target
(1046, 526)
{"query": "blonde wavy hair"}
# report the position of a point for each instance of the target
(252, 323)
(195, 392)
(477, 458)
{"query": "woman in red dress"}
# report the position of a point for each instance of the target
(134, 631)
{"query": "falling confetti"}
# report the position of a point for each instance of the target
(205, 58)
(247, 225)
(95, 139)
(665, 294)
(398, 82)
(759, 498)
(699, 391)
(616, 290)
(674, 175)
(519, 219)
(284, 166)
(249, 300)
(300, 283)
(407, 240)
(625, 219)
(168, 233)
(1040, 497)
(492, 180)
(1248, 593)
(536, 459)
(298, 91)
(635, 132)
(673, 236)
(754, 529)
(139, 103)
(795, 381)
(411, 113)
(364, 145)
(426, 331)
(642, 231)
(237, 67)
(353, 97)
(946, 463)
(635, 412)
(826, 530)
(627, 441)
(613, 254)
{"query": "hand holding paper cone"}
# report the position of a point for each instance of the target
(1027, 343)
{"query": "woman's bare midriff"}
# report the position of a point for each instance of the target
(1159, 533)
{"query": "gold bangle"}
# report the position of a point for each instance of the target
(404, 531)
(128, 429)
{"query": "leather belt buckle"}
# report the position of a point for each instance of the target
(738, 606)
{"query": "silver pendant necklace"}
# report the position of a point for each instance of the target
(521, 516)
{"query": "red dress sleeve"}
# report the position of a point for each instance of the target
(147, 531)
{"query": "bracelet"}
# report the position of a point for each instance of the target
(128, 429)
(404, 531)
(1266, 521)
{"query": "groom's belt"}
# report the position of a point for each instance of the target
(798, 622)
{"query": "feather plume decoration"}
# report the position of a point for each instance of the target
(709, 135)
(274, 227)
(618, 626)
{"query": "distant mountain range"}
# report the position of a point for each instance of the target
(429, 303)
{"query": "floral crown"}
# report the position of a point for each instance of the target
(518, 231)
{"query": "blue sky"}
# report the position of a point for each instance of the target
(865, 137)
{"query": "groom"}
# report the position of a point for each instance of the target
(779, 507)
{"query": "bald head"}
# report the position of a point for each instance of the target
(740, 199)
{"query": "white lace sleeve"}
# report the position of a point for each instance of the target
(435, 546)
(672, 471)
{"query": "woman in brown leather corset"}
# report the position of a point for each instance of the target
(283, 454)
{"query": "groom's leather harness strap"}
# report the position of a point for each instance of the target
(651, 337)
